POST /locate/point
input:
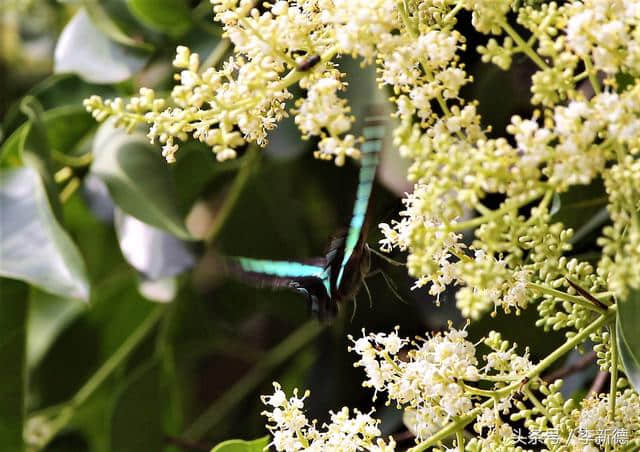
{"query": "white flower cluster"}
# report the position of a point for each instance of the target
(321, 110)
(594, 425)
(292, 430)
(429, 379)
(587, 88)
(285, 43)
(621, 241)
(574, 138)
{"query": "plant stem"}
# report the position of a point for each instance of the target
(67, 410)
(523, 45)
(456, 9)
(560, 351)
(234, 194)
(477, 391)
(257, 34)
(592, 75)
(548, 196)
(564, 296)
(460, 440)
(216, 55)
(75, 161)
(490, 216)
(404, 14)
(452, 427)
(534, 372)
(295, 75)
(221, 407)
(119, 356)
(613, 383)
(531, 396)
(563, 349)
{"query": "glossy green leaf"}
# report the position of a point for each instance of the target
(34, 247)
(49, 315)
(138, 178)
(171, 16)
(152, 251)
(630, 362)
(102, 19)
(238, 445)
(36, 152)
(56, 91)
(66, 129)
(59, 90)
(195, 168)
(137, 416)
(85, 50)
(10, 151)
(13, 319)
(627, 327)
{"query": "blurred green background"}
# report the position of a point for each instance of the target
(122, 371)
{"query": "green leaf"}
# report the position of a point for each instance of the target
(36, 152)
(195, 168)
(630, 362)
(49, 315)
(55, 91)
(171, 16)
(138, 178)
(84, 49)
(151, 251)
(65, 127)
(100, 17)
(34, 247)
(628, 339)
(10, 151)
(238, 445)
(13, 319)
(137, 416)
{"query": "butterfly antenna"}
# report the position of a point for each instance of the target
(392, 286)
(386, 258)
(364, 283)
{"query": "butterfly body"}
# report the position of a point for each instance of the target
(337, 276)
(347, 279)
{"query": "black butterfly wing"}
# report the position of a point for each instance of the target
(347, 267)
(310, 278)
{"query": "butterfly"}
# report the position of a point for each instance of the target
(337, 276)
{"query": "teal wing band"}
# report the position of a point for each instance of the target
(284, 269)
(373, 135)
